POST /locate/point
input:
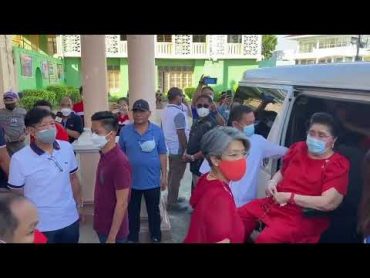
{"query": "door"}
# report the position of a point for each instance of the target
(283, 97)
(38, 79)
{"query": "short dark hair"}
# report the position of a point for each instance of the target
(35, 116)
(42, 102)
(237, 112)
(173, 93)
(327, 120)
(108, 120)
(205, 97)
(8, 221)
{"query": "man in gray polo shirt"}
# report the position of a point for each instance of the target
(45, 172)
(12, 121)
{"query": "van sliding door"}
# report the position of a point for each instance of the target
(252, 95)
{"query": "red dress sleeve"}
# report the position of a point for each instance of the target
(336, 174)
(219, 218)
(61, 133)
(39, 237)
(293, 150)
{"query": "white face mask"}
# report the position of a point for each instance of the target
(66, 111)
(99, 140)
(147, 146)
(203, 112)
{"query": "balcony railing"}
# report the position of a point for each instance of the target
(234, 49)
(217, 48)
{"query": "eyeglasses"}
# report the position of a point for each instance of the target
(237, 154)
(202, 105)
(56, 163)
(320, 135)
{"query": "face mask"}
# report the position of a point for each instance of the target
(203, 112)
(315, 146)
(249, 130)
(46, 136)
(147, 146)
(10, 106)
(233, 170)
(99, 140)
(66, 111)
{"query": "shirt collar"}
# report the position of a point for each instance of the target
(39, 151)
(110, 153)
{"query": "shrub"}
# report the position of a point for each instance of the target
(62, 91)
(189, 92)
(31, 96)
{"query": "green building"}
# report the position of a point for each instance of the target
(180, 60)
(37, 61)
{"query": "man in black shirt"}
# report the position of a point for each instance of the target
(205, 123)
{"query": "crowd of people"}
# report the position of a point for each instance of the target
(40, 194)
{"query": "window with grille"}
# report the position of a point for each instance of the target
(52, 45)
(181, 77)
(234, 38)
(199, 38)
(113, 77)
(164, 38)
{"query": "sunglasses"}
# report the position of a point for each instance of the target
(202, 105)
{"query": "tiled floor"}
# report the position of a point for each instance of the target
(179, 220)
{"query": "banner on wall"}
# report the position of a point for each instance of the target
(26, 65)
(45, 69)
(51, 69)
(60, 71)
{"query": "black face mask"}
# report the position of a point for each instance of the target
(10, 106)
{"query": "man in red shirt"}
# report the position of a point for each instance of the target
(78, 107)
(113, 181)
(61, 132)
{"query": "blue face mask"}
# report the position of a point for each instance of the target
(315, 146)
(249, 130)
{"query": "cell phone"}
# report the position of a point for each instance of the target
(210, 80)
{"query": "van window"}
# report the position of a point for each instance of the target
(257, 98)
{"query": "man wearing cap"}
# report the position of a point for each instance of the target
(176, 132)
(144, 144)
(12, 121)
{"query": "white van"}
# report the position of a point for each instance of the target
(299, 91)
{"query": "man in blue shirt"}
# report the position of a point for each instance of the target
(144, 144)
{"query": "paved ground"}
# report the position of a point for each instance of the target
(179, 220)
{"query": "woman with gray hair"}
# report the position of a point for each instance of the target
(215, 218)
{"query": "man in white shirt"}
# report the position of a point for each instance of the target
(176, 132)
(45, 171)
(245, 190)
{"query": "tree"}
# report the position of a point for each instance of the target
(269, 43)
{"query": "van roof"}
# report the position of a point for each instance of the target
(354, 76)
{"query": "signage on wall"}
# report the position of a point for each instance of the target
(26, 65)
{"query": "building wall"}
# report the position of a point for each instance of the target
(228, 72)
(29, 82)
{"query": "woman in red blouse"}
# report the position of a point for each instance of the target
(313, 176)
(215, 218)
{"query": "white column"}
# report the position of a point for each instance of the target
(94, 72)
(141, 69)
(7, 69)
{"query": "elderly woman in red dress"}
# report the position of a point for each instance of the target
(215, 218)
(313, 176)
